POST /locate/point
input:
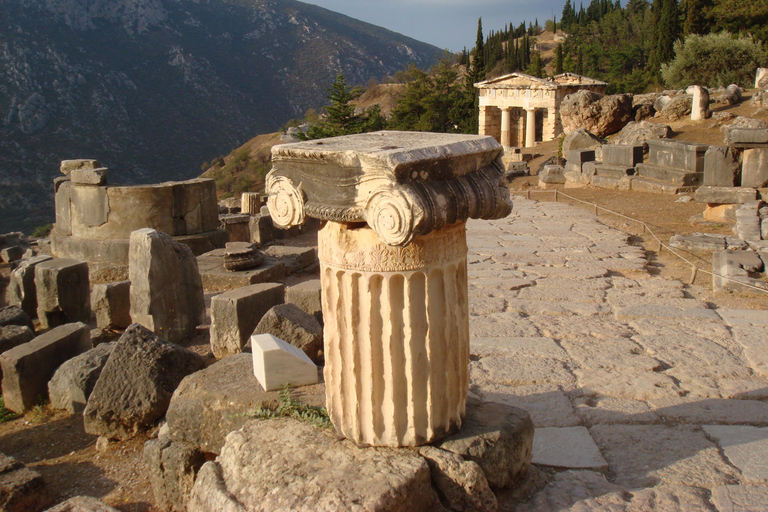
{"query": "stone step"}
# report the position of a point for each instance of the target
(599, 181)
(669, 175)
(643, 184)
(614, 171)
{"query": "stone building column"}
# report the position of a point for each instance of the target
(550, 129)
(396, 334)
(506, 127)
(482, 120)
(530, 127)
(250, 203)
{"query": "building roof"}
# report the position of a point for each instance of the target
(521, 80)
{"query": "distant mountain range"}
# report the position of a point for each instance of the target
(152, 88)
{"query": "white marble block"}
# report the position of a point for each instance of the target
(277, 363)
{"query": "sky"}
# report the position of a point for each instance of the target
(450, 24)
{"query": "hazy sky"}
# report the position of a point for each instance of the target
(448, 24)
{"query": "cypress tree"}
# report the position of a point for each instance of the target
(669, 30)
(559, 59)
(478, 66)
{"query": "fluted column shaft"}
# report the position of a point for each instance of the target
(530, 127)
(396, 334)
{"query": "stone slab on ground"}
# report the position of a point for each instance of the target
(236, 313)
(136, 385)
(313, 471)
(28, 367)
(745, 447)
(547, 404)
(569, 489)
(82, 504)
(21, 489)
(734, 317)
(754, 340)
(740, 498)
(569, 447)
(697, 411)
(607, 410)
(213, 402)
(216, 278)
(641, 311)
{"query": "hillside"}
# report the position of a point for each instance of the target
(152, 88)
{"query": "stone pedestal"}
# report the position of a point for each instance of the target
(396, 334)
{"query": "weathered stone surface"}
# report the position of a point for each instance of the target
(661, 454)
(241, 256)
(731, 96)
(89, 176)
(547, 404)
(14, 315)
(63, 292)
(496, 436)
(630, 384)
(754, 168)
(514, 370)
(21, 290)
(569, 447)
(313, 470)
(294, 258)
(21, 489)
(82, 504)
(111, 304)
(136, 384)
(607, 410)
(28, 367)
(278, 364)
(236, 313)
(568, 491)
(74, 380)
(10, 254)
(308, 297)
(639, 132)
(261, 229)
(600, 115)
(173, 467)
(721, 167)
(747, 137)
(745, 447)
(166, 288)
(14, 335)
(460, 484)
(740, 498)
(724, 194)
(739, 123)
(699, 103)
(67, 166)
(291, 324)
(633, 312)
(580, 139)
(552, 174)
(211, 403)
(677, 107)
(624, 155)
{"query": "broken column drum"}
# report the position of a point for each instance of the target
(393, 258)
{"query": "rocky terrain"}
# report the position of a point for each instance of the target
(152, 88)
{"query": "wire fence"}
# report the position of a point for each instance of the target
(695, 269)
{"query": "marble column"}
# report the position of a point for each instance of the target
(530, 127)
(250, 203)
(396, 334)
(506, 127)
(482, 120)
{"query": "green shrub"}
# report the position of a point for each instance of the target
(42, 231)
(5, 414)
(714, 60)
(293, 408)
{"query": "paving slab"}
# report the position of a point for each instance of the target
(686, 350)
(662, 311)
(510, 323)
(520, 371)
(606, 410)
(564, 327)
(569, 447)
(740, 498)
(524, 346)
(629, 383)
(754, 340)
(612, 353)
(547, 404)
(745, 447)
(569, 489)
(744, 316)
(711, 411)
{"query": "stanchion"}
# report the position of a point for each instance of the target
(694, 271)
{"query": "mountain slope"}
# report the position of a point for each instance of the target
(152, 88)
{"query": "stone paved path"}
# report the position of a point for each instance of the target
(643, 398)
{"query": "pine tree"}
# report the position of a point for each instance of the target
(340, 116)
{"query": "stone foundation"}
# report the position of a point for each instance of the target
(396, 334)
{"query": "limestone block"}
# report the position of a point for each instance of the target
(732, 95)
(136, 385)
(747, 498)
(261, 229)
(28, 367)
(277, 363)
(601, 115)
(14, 315)
(296, 327)
(552, 174)
(580, 139)
(14, 335)
(307, 296)
(569, 447)
(237, 226)
(313, 470)
(383, 306)
(684, 156)
(250, 203)
(173, 467)
(89, 176)
(75, 379)
(213, 402)
(622, 155)
(82, 504)
(236, 313)
(166, 287)
(700, 102)
(575, 159)
(21, 489)
(460, 484)
(747, 137)
(10, 254)
(754, 168)
(21, 288)
(728, 195)
(67, 166)
(111, 304)
(721, 167)
(295, 258)
(63, 292)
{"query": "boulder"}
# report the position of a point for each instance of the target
(63, 292)
(678, 107)
(21, 288)
(291, 324)
(173, 467)
(661, 101)
(14, 315)
(136, 385)
(600, 115)
(580, 139)
(308, 297)
(73, 382)
(21, 489)
(27, 368)
(166, 287)
(213, 402)
(285, 464)
(82, 504)
(461, 485)
(638, 133)
(643, 112)
(731, 95)
(498, 437)
(111, 304)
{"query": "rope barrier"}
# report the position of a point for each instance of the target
(646, 229)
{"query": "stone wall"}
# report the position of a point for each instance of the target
(94, 223)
